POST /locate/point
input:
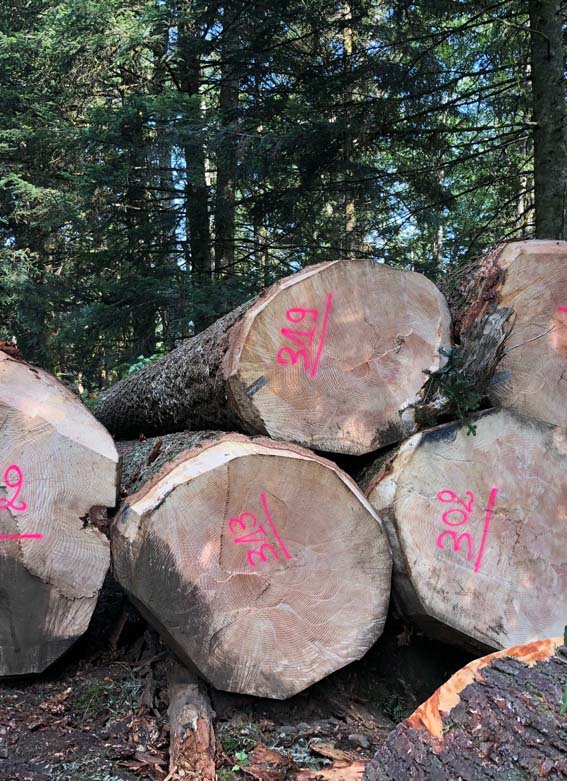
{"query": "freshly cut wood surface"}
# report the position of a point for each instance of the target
(497, 718)
(58, 473)
(260, 563)
(326, 358)
(530, 277)
(478, 528)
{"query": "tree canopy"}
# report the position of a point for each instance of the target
(161, 161)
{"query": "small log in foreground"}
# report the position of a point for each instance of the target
(191, 733)
(260, 563)
(58, 474)
(500, 718)
(478, 529)
(530, 277)
(326, 358)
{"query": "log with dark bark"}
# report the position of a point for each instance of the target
(478, 529)
(500, 718)
(260, 563)
(463, 382)
(530, 278)
(326, 358)
(58, 474)
(191, 733)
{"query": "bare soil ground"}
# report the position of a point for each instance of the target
(100, 713)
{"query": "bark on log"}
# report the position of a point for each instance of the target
(58, 474)
(530, 277)
(260, 563)
(500, 718)
(325, 358)
(192, 737)
(478, 529)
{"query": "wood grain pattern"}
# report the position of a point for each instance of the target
(516, 592)
(266, 627)
(326, 358)
(49, 586)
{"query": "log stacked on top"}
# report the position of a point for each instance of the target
(261, 564)
(326, 358)
(58, 474)
(530, 277)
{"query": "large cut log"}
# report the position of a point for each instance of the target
(58, 473)
(530, 277)
(478, 529)
(260, 563)
(500, 718)
(325, 358)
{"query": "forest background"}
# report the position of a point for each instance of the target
(161, 161)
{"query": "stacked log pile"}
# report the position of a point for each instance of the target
(262, 564)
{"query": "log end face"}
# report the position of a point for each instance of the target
(237, 565)
(330, 357)
(477, 531)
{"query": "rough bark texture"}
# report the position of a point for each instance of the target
(58, 474)
(192, 737)
(326, 358)
(530, 278)
(478, 529)
(237, 550)
(550, 116)
(497, 718)
(184, 390)
(465, 379)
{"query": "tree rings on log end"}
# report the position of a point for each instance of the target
(328, 357)
(500, 717)
(478, 528)
(261, 564)
(58, 471)
(530, 277)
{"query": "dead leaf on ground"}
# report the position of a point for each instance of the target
(338, 771)
(330, 751)
(267, 764)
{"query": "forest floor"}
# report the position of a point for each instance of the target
(100, 713)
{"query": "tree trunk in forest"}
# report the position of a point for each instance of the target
(550, 116)
(58, 473)
(477, 529)
(226, 154)
(349, 205)
(529, 277)
(196, 189)
(498, 718)
(191, 733)
(237, 551)
(327, 358)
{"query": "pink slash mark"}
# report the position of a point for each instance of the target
(323, 334)
(285, 551)
(487, 517)
(561, 309)
(20, 537)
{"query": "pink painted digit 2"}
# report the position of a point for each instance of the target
(7, 503)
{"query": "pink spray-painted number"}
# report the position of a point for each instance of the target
(12, 503)
(256, 533)
(458, 516)
(310, 351)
